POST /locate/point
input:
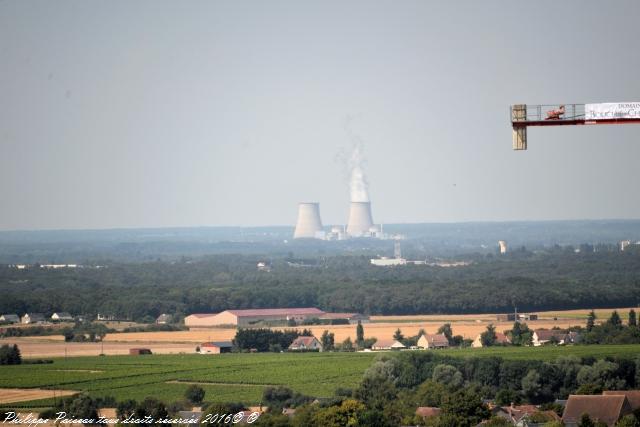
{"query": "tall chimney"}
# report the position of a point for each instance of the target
(360, 220)
(309, 222)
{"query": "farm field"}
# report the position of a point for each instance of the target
(381, 327)
(233, 377)
(228, 377)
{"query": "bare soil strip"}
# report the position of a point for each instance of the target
(12, 395)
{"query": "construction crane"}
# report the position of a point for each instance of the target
(523, 116)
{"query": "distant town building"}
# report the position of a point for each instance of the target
(624, 244)
(502, 244)
(264, 266)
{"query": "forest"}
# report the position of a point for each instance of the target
(557, 278)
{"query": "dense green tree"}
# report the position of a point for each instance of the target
(10, 355)
(447, 375)
(632, 318)
(488, 337)
(466, 406)
(531, 385)
(327, 340)
(151, 407)
(126, 409)
(194, 394)
(359, 335)
(591, 320)
(520, 334)
(446, 331)
(346, 345)
(398, 335)
(615, 320)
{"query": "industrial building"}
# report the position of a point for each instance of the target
(254, 317)
(244, 318)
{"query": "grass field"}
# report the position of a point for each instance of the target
(236, 377)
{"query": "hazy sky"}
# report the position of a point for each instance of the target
(145, 114)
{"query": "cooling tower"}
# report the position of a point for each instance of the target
(309, 224)
(360, 220)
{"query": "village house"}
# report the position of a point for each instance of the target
(388, 345)
(554, 336)
(501, 339)
(520, 415)
(30, 318)
(604, 408)
(216, 347)
(62, 316)
(305, 343)
(431, 341)
(9, 318)
(633, 396)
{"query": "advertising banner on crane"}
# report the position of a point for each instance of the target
(612, 110)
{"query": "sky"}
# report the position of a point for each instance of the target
(211, 113)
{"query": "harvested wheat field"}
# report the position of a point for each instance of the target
(12, 395)
(195, 336)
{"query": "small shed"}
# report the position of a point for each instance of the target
(139, 351)
(216, 347)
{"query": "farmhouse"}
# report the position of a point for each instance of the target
(501, 339)
(216, 347)
(387, 345)
(244, 318)
(33, 318)
(429, 341)
(9, 318)
(605, 408)
(305, 343)
(61, 316)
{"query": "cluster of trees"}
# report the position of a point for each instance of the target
(138, 291)
(86, 332)
(612, 331)
(10, 355)
(396, 384)
(266, 339)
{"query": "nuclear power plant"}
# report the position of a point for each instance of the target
(359, 224)
(360, 220)
(309, 224)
